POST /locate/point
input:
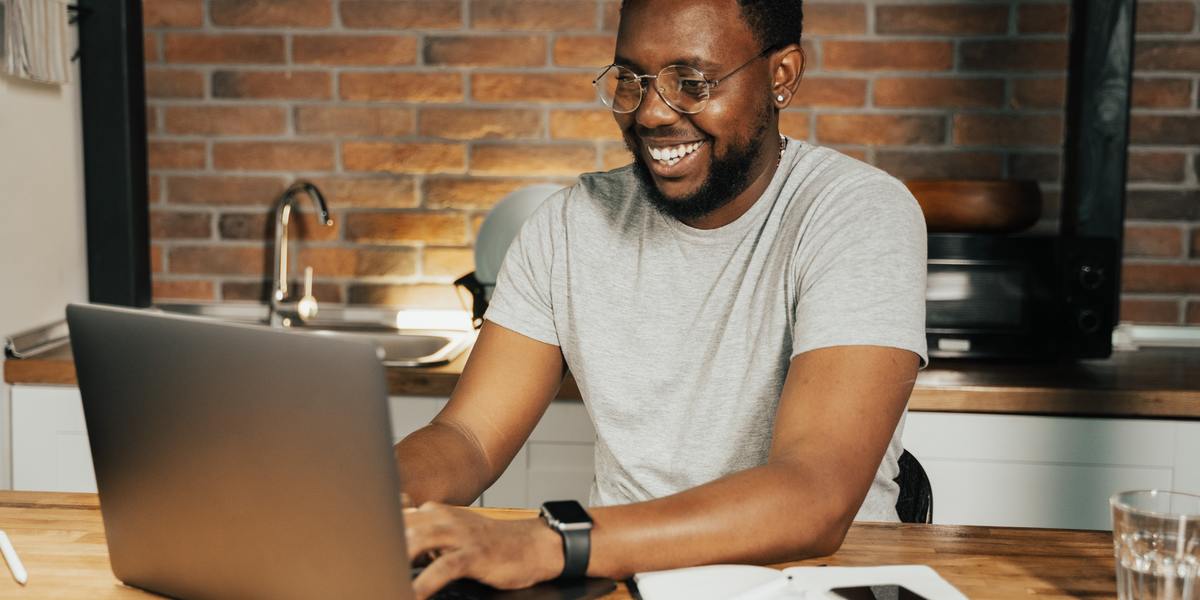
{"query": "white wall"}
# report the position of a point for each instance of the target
(42, 247)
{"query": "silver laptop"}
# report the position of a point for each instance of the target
(236, 461)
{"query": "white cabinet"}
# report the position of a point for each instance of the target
(1034, 471)
(49, 441)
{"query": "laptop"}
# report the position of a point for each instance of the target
(239, 461)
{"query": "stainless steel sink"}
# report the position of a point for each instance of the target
(406, 338)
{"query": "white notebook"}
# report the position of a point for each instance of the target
(748, 582)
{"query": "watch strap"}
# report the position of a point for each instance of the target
(576, 552)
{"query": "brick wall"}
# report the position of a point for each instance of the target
(416, 116)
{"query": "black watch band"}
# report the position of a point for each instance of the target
(574, 524)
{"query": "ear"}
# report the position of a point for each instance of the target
(787, 69)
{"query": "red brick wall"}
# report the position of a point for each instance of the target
(416, 116)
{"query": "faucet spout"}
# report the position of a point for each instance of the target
(283, 216)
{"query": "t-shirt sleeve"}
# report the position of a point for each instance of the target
(861, 267)
(522, 300)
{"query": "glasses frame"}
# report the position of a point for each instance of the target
(643, 83)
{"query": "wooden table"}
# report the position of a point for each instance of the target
(60, 537)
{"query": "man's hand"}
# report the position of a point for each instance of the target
(502, 554)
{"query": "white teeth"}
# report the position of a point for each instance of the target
(672, 154)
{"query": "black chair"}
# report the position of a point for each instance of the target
(915, 504)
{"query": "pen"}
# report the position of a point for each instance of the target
(14, 562)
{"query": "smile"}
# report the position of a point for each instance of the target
(669, 155)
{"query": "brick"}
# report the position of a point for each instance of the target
(831, 91)
(1193, 312)
(1164, 129)
(259, 291)
(1012, 55)
(834, 18)
(175, 155)
(1050, 92)
(223, 48)
(532, 87)
(1165, 17)
(369, 192)
(1149, 311)
(166, 225)
(182, 289)
(404, 157)
(1038, 166)
(880, 129)
(224, 190)
(941, 19)
(1160, 278)
(612, 15)
(447, 262)
(354, 120)
(413, 87)
(596, 124)
(270, 13)
(409, 296)
(1153, 241)
(448, 229)
(374, 50)
(1043, 18)
(402, 15)
(174, 83)
(358, 262)
(1165, 167)
(1161, 93)
(273, 156)
(225, 120)
(1167, 56)
(913, 164)
(218, 260)
(172, 13)
(154, 189)
(552, 15)
(150, 48)
(151, 120)
(922, 92)
(794, 124)
(614, 156)
(260, 226)
(156, 258)
(891, 55)
(592, 51)
(281, 85)
(480, 123)
(1173, 205)
(532, 159)
(1007, 130)
(471, 193)
(486, 51)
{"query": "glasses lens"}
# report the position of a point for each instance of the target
(684, 88)
(619, 89)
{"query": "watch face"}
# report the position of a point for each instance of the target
(567, 511)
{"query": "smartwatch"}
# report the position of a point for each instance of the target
(574, 524)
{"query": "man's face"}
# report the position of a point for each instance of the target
(711, 36)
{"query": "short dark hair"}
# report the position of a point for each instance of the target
(775, 23)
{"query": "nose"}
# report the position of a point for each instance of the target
(654, 111)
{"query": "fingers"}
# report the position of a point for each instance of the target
(431, 528)
(448, 567)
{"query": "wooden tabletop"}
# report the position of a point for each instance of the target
(1149, 383)
(60, 538)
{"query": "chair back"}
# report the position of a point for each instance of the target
(915, 503)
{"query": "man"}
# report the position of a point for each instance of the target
(744, 315)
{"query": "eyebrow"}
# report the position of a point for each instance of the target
(690, 61)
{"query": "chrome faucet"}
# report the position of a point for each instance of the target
(282, 308)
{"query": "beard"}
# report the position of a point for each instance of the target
(728, 176)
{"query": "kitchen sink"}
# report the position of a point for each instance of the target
(405, 338)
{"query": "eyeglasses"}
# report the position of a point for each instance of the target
(685, 89)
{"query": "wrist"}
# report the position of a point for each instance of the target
(548, 545)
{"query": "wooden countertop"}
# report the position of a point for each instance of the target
(60, 538)
(1149, 383)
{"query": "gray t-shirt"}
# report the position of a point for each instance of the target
(680, 338)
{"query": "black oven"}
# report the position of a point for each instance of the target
(1039, 297)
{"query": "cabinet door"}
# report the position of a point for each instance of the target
(50, 446)
(1030, 471)
(560, 455)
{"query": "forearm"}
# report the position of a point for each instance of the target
(767, 514)
(439, 462)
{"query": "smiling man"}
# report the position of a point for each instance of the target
(743, 314)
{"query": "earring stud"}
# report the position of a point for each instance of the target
(779, 97)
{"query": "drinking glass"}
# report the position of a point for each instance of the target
(1156, 542)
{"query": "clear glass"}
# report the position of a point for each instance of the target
(683, 88)
(1156, 543)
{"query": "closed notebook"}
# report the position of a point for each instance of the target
(747, 582)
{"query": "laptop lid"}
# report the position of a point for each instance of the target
(237, 461)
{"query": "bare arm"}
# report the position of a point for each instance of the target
(508, 382)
